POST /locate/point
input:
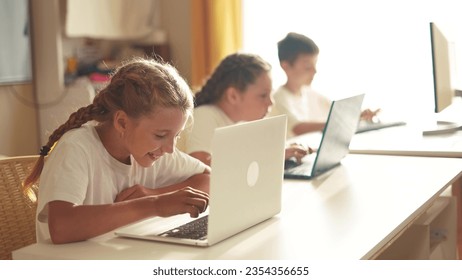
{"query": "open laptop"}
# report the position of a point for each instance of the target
(245, 185)
(340, 127)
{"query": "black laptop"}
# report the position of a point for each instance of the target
(340, 127)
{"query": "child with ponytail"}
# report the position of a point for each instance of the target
(238, 90)
(114, 161)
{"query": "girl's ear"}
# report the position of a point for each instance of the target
(120, 121)
(232, 95)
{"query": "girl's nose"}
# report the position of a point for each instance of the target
(270, 100)
(169, 145)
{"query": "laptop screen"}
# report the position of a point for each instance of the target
(339, 130)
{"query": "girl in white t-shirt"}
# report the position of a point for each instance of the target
(114, 161)
(238, 90)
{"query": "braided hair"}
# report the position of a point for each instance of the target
(236, 70)
(137, 87)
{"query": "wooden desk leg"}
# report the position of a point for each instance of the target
(457, 192)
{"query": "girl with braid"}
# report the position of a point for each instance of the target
(114, 162)
(238, 90)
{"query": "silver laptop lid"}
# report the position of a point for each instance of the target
(247, 175)
(245, 187)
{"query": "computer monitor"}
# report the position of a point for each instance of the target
(441, 58)
(443, 88)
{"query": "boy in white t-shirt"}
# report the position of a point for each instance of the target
(306, 109)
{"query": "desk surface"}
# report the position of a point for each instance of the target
(409, 141)
(404, 140)
(349, 213)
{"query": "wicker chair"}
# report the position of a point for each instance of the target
(17, 210)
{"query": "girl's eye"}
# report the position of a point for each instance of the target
(160, 136)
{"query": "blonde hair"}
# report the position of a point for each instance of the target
(137, 87)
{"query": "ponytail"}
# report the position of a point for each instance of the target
(137, 87)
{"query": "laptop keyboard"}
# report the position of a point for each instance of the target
(196, 229)
(302, 169)
(291, 167)
(365, 126)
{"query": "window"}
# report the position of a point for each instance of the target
(381, 48)
(15, 52)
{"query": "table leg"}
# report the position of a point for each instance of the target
(457, 192)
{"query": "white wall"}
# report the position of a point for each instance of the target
(176, 18)
(381, 48)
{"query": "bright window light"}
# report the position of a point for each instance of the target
(381, 48)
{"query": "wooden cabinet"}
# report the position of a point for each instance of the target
(431, 236)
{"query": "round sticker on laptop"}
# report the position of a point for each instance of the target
(252, 173)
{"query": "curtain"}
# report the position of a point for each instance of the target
(216, 32)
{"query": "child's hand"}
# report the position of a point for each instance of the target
(186, 200)
(369, 115)
(297, 151)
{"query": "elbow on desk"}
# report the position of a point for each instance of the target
(58, 232)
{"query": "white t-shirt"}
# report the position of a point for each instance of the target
(206, 119)
(306, 107)
(80, 170)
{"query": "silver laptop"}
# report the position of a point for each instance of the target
(340, 127)
(245, 186)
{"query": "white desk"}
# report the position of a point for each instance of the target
(399, 141)
(408, 139)
(352, 212)
(405, 140)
